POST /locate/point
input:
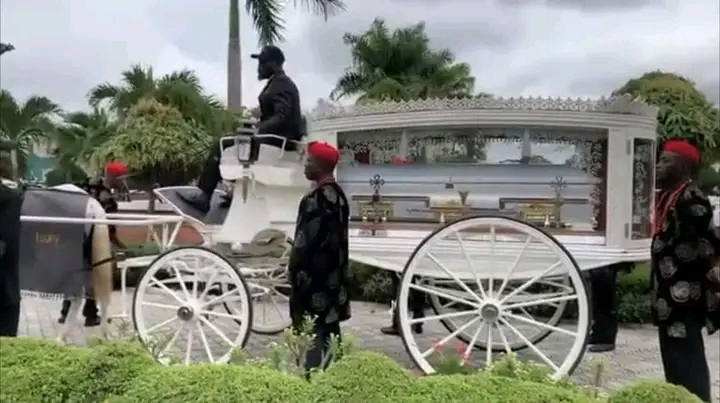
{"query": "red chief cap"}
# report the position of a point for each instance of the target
(684, 148)
(116, 168)
(323, 151)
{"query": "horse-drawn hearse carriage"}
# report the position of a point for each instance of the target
(491, 208)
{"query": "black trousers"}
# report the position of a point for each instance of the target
(9, 320)
(319, 354)
(90, 309)
(210, 175)
(603, 284)
(684, 360)
(416, 300)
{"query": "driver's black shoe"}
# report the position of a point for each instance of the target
(197, 200)
(394, 331)
(226, 200)
(601, 348)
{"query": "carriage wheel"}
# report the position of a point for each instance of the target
(270, 292)
(550, 313)
(175, 315)
(494, 269)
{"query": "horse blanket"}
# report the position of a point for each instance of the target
(53, 256)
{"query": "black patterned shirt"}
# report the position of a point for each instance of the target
(318, 265)
(683, 253)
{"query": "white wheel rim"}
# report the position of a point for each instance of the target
(527, 256)
(269, 290)
(192, 327)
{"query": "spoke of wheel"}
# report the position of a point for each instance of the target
(441, 317)
(188, 348)
(223, 315)
(542, 301)
(172, 341)
(222, 297)
(444, 295)
(180, 280)
(208, 285)
(540, 324)
(488, 350)
(491, 259)
(514, 266)
(218, 332)
(161, 324)
(205, 344)
(276, 307)
(531, 281)
(158, 305)
(168, 291)
(195, 278)
(530, 345)
(454, 277)
(468, 348)
(505, 343)
(451, 335)
(471, 265)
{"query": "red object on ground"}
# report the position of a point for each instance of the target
(400, 161)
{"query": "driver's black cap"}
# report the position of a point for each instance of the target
(270, 53)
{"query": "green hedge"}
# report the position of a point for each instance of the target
(34, 371)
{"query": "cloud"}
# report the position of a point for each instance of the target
(552, 48)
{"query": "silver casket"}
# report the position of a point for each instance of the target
(52, 261)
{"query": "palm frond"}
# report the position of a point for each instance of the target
(322, 8)
(267, 20)
(103, 92)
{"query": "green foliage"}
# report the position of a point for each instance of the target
(633, 295)
(36, 371)
(684, 111)
(653, 392)
(157, 144)
(399, 66)
(26, 123)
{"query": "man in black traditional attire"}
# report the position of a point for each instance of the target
(685, 247)
(101, 191)
(318, 263)
(10, 206)
(280, 114)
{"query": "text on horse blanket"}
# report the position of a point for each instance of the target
(52, 255)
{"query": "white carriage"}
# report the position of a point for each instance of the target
(456, 224)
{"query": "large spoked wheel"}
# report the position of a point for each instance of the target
(177, 307)
(498, 272)
(549, 313)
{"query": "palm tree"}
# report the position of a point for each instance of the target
(180, 89)
(6, 47)
(77, 138)
(400, 65)
(26, 124)
(267, 20)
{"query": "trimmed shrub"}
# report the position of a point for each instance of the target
(209, 383)
(362, 377)
(39, 371)
(649, 391)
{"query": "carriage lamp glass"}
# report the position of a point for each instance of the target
(553, 177)
(643, 184)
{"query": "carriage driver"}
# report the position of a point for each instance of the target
(10, 205)
(280, 114)
(102, 191)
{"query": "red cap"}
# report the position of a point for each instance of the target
(323, 151)
(116, 169)
(684, 148)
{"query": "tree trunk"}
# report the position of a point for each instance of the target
(151, 201)
(234, 64)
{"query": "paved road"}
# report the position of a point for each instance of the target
(637, 355)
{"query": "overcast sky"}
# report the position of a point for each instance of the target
(576, 48)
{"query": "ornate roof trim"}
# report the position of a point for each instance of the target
(624, 104)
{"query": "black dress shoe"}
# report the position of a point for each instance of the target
(601, 348)
(197, 200)
(393, 331)
(62, 319)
